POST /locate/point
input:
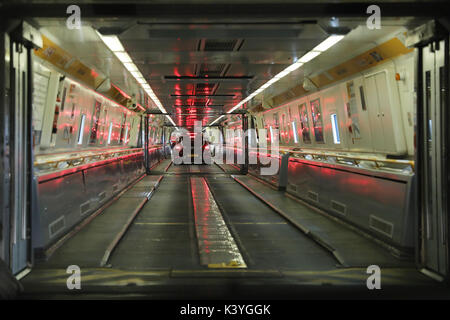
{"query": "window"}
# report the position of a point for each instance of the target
(276, 122)
(63, 101)
(122, 128)
(110, 132)
(126, 135)
(55, 120)
(363, 99)
(304, 123)
(103, 125)
(316, 115)
(81, 130)
(335, 127)
(271, 133)
(285, 130)
(294, 130)
(94, 122)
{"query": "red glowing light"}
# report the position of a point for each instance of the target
(94, 73)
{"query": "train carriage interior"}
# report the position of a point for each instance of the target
(233, 149)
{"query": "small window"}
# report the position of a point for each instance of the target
(363, 99)
(126, 136)
(81, 130)
(294, 130)
(94, 122)
(335, 127)
(276, 121)
(63, 100)
(55, 120)
(271, 133)
(285, 128)
(316, 115)
(103, 126)
(304, 124)
(110, 132)
(122, 128)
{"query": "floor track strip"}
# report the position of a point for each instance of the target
(302, 228)
(130, 220)
(217, 247)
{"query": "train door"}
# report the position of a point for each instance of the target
(22, 183)
(434, 182)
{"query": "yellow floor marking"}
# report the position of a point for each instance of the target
(231, 264)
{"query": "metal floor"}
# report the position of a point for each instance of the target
(154, 253)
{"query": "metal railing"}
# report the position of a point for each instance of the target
(356, 160)
(343, 159)
(81, 159)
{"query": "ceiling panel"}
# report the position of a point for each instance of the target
(181, 59)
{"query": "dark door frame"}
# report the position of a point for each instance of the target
(441, 33)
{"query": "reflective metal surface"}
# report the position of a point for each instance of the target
(381, 206)
(216, 245)
(68, 198)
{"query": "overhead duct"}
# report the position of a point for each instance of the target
(267, 104)
(308, 85)
(105, 86)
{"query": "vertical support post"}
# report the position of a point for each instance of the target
(244, 166)
(5, 136)
(31, 188)
(163, 142)
(146, 145)
(446, 134)
(419, 160)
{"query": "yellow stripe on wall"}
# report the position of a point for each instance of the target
(63, 60)
(371, 58)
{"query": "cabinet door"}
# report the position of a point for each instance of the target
(374, 113)
(379, 106)
(384, 110)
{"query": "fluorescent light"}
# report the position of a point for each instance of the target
(323, 46)
(216, 120)
(282, 74)
(171, 120)
(309, 56)
(81, 130)
(294, 130)
(294, 66)
(136, 74)
(131, 66)
(123, 56)
(335, 127)
(328, 43)
(112, 42)
(109, 132)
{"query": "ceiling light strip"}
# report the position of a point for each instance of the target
(322, 47)
(114, 44)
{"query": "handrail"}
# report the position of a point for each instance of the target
(83, 158)
(354, 159)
